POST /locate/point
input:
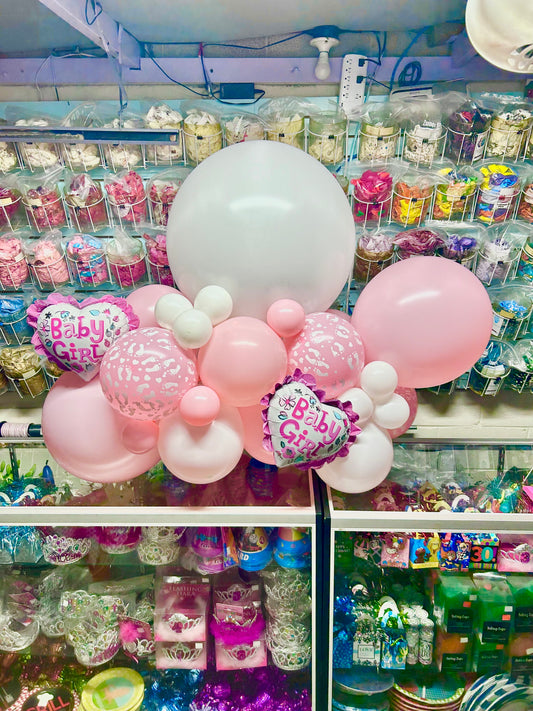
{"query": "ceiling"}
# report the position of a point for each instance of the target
(27, 28)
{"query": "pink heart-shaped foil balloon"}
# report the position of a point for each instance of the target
(77, 335)
(304, 431)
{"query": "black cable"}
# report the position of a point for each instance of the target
(265, 46)
(96, 9)
(212, 93)
(411, 74)
(174, 81)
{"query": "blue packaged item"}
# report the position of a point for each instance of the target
(13, 323)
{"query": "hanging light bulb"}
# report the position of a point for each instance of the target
(323, 44)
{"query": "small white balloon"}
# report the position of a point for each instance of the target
(392, 413)
(192, 329)
(214, 301)
(169, 307)
(366, 465)
(379, 380)
(361, 403)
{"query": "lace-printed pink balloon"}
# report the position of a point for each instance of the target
(145, 374)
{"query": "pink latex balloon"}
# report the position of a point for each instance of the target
(331, 350)
(140, 436)
(143, 302)
(428, 317)
(83, 433)
(342, 314)
(243, 361)
(286, 317)
(145, 374)
(201, 455)
(252, 421)
(409, 395)
(199, 406)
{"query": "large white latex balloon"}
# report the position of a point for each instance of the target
(265, 221)
(367, 464)
(392, 413)
(202, 455)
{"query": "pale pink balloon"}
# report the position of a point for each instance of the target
(145, 374)
(83, 433)
(140, 436)
(202, 455)
(342, 314)
(143, 302)
(330, 349)
(409, 395)
(286, 317)
(252, 420)
(243, 361)
(199, 406)
(430, 318)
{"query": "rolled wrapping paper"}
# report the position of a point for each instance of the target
(497, 192)
(161, 194)
(371, 195)
(410, 203)
(161, 116)
(373, 253)
(38, 155)
(418, 242)
(10, 205)
(8, 157)
(123, 155)
(85, 201)
(126, 260)
(13, 321)
(508, 131)
(22, 365)
(158, 259)
(87, 258)
(127, 197)
(243, 127)
(454, 198)
(45, 208)
(13, 267)
(48, 263)
(468, 128)
(525, 206)
(327, 137)
(203, 135)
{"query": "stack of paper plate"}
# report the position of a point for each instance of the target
(498, 693)
(441, 695)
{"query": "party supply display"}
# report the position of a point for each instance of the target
(301, 429)
(37, 155)
(125, 192)
(13, 267)
(86, 258)
(124, 155)
(22, 367)
(202, 134)
(374, 251)
(412, 196)
(327, 137)
(467, 131)
(418, 242)
(372, 193)
(82, 155)
(285, 121)
(498, 192)
(126, 258)
(11, 212)
(525, 206)
(500, 252)
(508, 130)
(462, 242)
(161, 191)
(76, 335)
(46, 261)
(319, 237)
(13, 323)
(454, 198)
(115, 689)
(424, 134)
(85, 201)
(161, 116)
(43, 201)
(488, 373)
(8, 157)
(242, 127)
(379, 132)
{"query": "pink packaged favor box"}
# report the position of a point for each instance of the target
(395, 552)
(239, 633)
(181, 610)
(515, 554)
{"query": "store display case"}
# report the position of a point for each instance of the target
(429, 577)
(155, 589)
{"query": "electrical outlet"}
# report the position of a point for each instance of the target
(352, 86)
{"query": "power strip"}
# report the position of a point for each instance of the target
(352, 86)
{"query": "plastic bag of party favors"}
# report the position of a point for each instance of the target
(467, 123)
(82, 155)
(37, 155)
(379, 131)
(423, 131)
(509, 129)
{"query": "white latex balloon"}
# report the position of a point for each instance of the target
(201, 455)
(192, 329)
(169, 307)
(265, 221)
(392, 413)
(361, 403)
(367, 464)
(379, 380)
(215, 301)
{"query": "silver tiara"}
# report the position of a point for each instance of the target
(183, 651)
(291, 660)
(178, 622)
(62, 550)
(289, 635)
(235, 593)
(241, 652)
(157, 552)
